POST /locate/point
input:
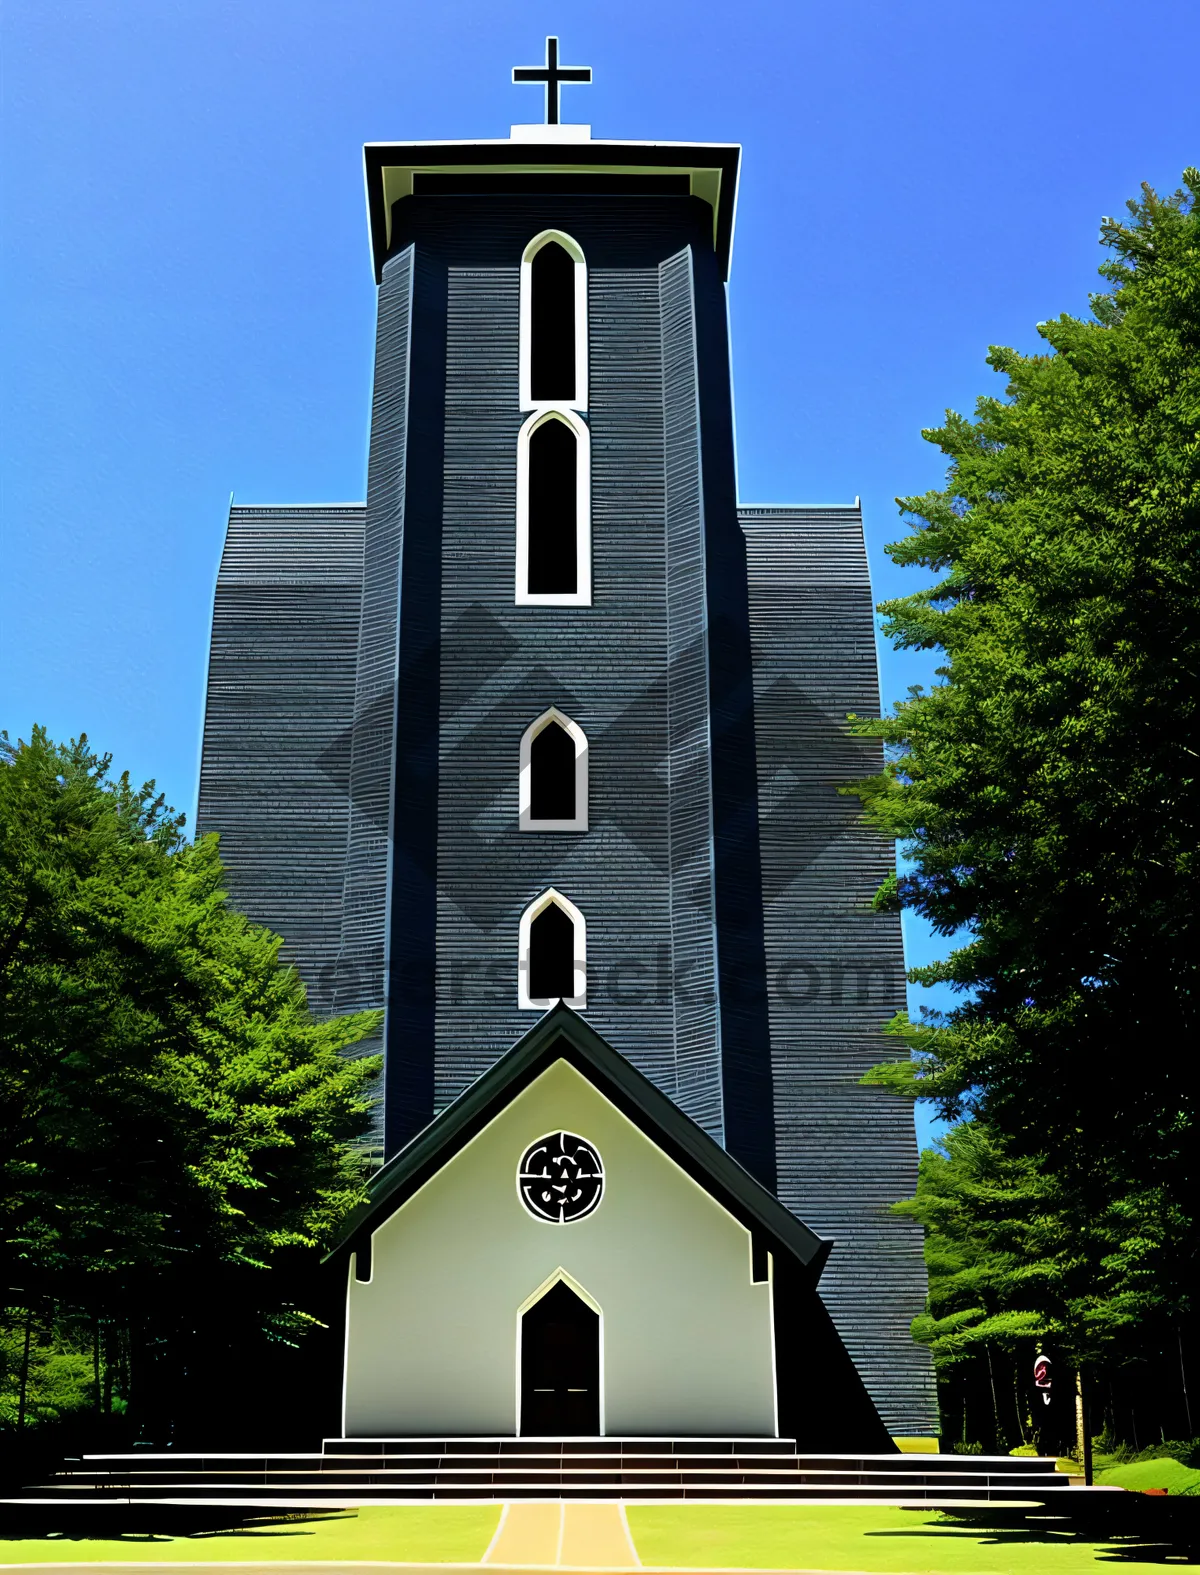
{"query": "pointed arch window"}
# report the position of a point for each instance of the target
(554, 536)
(553, 337)
(552, 961)
(554, 775)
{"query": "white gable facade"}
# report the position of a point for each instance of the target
(434, 1342)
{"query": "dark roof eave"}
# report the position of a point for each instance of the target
(724, 157)
(561, 1034)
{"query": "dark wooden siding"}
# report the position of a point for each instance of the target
(693, 916)
(502, 665)
(373, 740)
(275, 761)
(835, 969)
(737, 872)
(498, 665)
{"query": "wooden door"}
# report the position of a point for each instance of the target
(560, 1365)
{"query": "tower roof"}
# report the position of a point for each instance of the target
(551, 158)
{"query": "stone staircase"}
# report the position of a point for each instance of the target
(350, 1472)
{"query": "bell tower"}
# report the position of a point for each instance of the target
(551, 531)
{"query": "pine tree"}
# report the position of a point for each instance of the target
(1019, 1263)
(1046, 798)
(1045, 792)
(177, 1131)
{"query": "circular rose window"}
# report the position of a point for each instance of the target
(561, 1178)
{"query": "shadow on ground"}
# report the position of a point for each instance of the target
(1125, 1528)
(142, 1523)
(1118, 1528)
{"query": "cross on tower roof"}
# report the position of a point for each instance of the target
(553, 75)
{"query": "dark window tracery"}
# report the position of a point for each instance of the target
(561, 1178)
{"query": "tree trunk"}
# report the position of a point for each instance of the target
(1018, 1405)
(25, 1369)
(1083, 1433)
(110, 1334)
(99, 1404)
(995, 1404)
(1187, 1404)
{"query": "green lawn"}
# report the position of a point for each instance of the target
(1169, 1474)
(697, 1536)
(883, 1541)
(410, 1534)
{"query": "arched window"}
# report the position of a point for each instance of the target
(554, 775)
(554, 554)
(552, 963)
(553, 348)
(552, 325)
(553, 550)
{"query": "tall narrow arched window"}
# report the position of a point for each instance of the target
(552, 325)
(552, 960)
(553, 341)
(554, 554)
(553, 549)
(554, 775)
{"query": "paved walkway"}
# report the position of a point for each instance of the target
(554, 1536)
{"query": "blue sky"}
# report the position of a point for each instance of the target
(189, 302)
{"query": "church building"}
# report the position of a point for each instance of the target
(538, 749)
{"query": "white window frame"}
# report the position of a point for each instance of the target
(526, 1002)
(582, 594)
(579, 738)
(575, 252)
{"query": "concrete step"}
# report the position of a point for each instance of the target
(397, 1470)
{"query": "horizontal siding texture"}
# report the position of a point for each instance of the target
(372, 740)
(689, 762)
(503, 665)
(835, 969)
(275, 761)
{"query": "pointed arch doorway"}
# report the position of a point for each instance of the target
(560, 1365)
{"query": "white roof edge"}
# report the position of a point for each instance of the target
(850, 508)
(506, 142)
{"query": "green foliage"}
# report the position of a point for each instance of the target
(1015, 1259)
(1113, 1452)
(172, 1119)
(1046, 798)
(60, 1373)
(1045, 791)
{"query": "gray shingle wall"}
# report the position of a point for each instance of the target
(373, 742)
(502, 665)
(275, 762)
(835, 969)
(498, 666)
(689, 763)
